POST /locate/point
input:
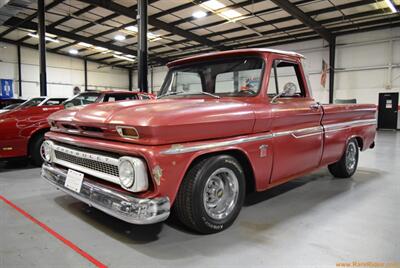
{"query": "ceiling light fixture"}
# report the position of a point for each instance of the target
(101, 48)
(132, 28)
(84, 44)
(73, 51)
(123, 58)
(47, 38)
(391, 5)
(212, 5)
(119, 37)
(199, 14)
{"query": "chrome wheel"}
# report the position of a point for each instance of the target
(220, 193)
(351, 156)
(42, 151)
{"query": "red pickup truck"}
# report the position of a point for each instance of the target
(225, 124)
(22, 129)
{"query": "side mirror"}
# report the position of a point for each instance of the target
(288, 90)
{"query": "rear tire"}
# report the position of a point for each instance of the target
(347, 165)
(34, 150)
(211, 194)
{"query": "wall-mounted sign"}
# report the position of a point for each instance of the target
(7, 91)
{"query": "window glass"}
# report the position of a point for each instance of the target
(82, 99)
(52, 102)
(32, 102)
(286, 73)
(119, 97)
(234, 77)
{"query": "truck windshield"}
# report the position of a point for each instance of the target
(228, 77)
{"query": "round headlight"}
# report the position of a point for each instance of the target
(126, 173)
(46, 151)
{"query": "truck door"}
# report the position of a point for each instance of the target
(296, 123)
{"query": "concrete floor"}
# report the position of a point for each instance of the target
(314, 221)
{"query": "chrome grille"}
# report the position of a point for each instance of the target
(88, 163)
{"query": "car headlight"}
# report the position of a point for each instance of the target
(46, 151)
(126, 173)
(133, 174)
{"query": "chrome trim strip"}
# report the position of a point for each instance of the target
(125, 207)
(307, 132)
(344, 125)
(298, 133)
(181, 149)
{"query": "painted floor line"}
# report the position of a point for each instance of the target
(55, 234)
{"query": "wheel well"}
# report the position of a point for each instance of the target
(244, 162)
(34, 135)
(360, 142)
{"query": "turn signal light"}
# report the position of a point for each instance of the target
(128, 132)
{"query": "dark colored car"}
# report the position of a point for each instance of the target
(7, 102)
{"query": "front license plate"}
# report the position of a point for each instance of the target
(74, 180)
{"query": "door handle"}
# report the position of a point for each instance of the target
(314, 106)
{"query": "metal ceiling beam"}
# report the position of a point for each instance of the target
(297, 27)
(311, 35)
(13, 42)
(31, 17)
(79, 38)
(304, 18)
(127, 12)
(274, 21)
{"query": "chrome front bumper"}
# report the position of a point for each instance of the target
(110, 201)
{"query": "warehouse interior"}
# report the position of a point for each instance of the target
(351, 49)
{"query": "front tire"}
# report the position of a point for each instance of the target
(347, 165)
(211, 194)
(35, 150)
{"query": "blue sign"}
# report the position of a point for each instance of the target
(7, 91)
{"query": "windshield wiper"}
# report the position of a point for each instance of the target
(182, 92)
(170, 94)
(209, 94)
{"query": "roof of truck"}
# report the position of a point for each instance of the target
(234, 52)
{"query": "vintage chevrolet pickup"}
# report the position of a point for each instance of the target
(225, 124)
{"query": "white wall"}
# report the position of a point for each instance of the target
(63, 73)
(366, 64)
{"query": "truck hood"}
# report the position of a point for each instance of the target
(166, 121)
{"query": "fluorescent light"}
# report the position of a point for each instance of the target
(151, 36)
(84, 44)
(101, 48)
(117, 52)
(132, 28)
(230, 14)
(212, 5)
(130, 56)
(199, 14)
(120, 37)
(123, 58)
(47, 38)
(73, 51)
(390, 4)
